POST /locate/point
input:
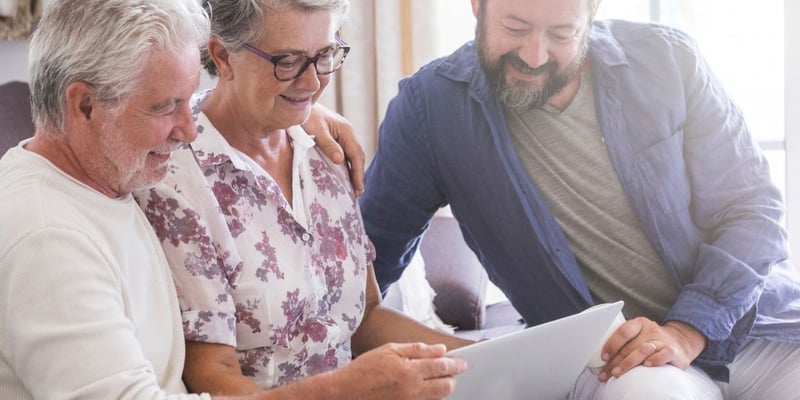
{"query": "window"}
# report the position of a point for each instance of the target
(746, 45)
(745, 48)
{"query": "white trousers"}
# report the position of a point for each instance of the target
(763, 370)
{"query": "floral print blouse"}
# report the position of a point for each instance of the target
(282, 283)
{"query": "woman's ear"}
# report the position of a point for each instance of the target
(221, 58)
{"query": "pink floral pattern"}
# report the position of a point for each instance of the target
(282, 283)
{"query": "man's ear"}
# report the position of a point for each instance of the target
(81, 102)
(219, 54)
(594, 11)
(476, 5)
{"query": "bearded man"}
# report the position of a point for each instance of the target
(595, 161)
(88, 306)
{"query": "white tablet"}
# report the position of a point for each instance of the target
(541, 362)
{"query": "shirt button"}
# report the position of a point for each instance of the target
(305, 237)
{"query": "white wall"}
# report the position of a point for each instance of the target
(14, 58)
(14, 64)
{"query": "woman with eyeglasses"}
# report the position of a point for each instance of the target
(263, 232)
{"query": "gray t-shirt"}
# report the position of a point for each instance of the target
(566, 157)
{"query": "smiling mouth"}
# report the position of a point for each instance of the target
(522, 68)
(515, 74)
(162, 155)
(296, 99)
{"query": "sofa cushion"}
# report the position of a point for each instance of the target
(455, 274)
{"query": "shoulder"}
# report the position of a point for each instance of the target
(460, 67)
(328, 177)
(633, 37)
(451, 85)
(36, 194)
(646, 47)
(630, 31)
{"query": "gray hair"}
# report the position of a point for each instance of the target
(236, 22)
(590, 4)
(104, 43)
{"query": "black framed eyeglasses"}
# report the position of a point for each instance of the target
(290, 66)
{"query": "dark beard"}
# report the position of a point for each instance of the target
(522, 96)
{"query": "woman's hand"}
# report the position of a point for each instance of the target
(402, 371)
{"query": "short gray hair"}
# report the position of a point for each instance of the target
(591, 4)
(104, 43)
(236, 22)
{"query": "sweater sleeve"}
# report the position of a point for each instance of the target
(65, 329)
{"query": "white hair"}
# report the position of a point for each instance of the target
(104, 43)
(236, 22)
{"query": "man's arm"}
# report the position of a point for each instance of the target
(333, 134)
(710, 204)
(736, 207)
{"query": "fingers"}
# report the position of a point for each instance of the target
(661, 355)
(407, 371)
(430, 360)
(318, 125)
(438, 388)
(336, 138)
(621, 337)
(356, 161)
(438, 375)
(643, 342)
(419, 350)
(644, 353)
(432, 368)
(330, 147)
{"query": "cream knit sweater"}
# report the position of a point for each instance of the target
(88, 309)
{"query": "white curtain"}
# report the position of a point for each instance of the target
(18, 18)
(390, 39)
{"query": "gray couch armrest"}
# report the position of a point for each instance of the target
(455, 274)
(16, 122)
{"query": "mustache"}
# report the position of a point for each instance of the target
(171, 146)
(523, 67)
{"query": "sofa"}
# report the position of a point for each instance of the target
(451, 268)
(15, 114)
(460, 283)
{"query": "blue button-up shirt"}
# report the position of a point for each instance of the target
(679, 146)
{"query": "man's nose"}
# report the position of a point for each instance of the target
(534, 51)
(185, 129)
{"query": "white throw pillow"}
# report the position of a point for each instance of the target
(413, 295)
